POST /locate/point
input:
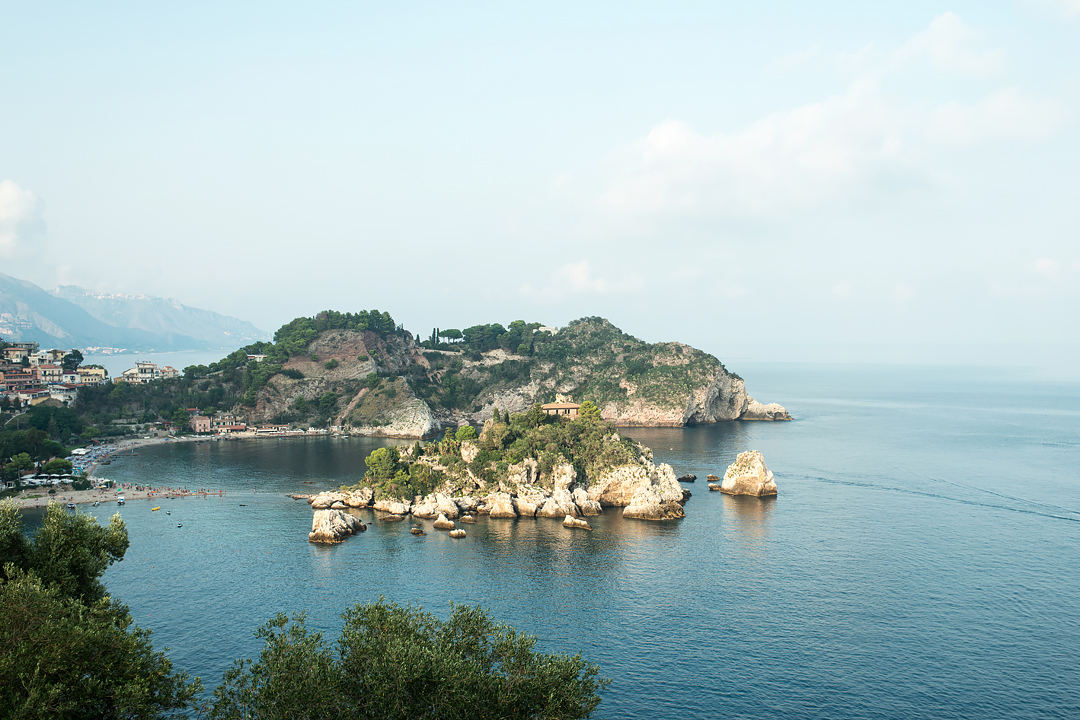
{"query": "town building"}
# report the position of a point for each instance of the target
(95, 375)
(147, 372)
(200, 424)
(49, 374)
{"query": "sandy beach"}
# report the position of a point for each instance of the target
(89, 464)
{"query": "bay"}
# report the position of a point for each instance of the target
(920, 560)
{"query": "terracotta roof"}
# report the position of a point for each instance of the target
(560, 406)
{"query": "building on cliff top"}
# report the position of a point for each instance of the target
(561, 408)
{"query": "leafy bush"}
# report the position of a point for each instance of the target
(400, 663)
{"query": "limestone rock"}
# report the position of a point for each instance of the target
(528, 502)
(586, 507)
(457, 534)
(426, 507)
(559, 504)
(394, 507)
(467, 519)
(359, 498)
(446, 506)
(563, 476)
(325, 499)
(749, 475)
(714, 487)
(466, 504)
(764, 411)
(442, 523)
(337, 505)
(713, 478)
(417, 530)
(469, 451)
(500, 505)
(687, 478)
(650, 503)
(333, 526)
(573, 522)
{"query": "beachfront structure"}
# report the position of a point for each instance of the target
(200, 423)
(562, 408)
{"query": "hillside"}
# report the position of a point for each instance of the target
(77, 318)
(363, 372)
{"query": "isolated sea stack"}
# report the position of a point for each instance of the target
(749, 475)
(333, 526)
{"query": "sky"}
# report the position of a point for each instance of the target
(806, 182)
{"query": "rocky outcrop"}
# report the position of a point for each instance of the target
(687, 478)
(761, 411)
(394, 507)
(585, 505)
(333, 526)
(714, 487)
(467, 519)
(573, 522)
(443, 523)
(749, 475)
(457, 534)
(500, 505)
(417, 530)
(559, 504)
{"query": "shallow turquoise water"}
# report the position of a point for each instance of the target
(922, 560)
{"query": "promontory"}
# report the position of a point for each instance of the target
(362, 373)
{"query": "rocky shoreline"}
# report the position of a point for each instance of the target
(644, 492)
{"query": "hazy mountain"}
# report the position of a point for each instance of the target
(83, 319)
(165, 318)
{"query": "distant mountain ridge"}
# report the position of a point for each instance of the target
(167, 318)
(73, 317)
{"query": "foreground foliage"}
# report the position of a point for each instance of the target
(400, 662)
(67, 650)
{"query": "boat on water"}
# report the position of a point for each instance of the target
(155, 509)
(179, 524)
(71, 506)
(96, 503)
(168, 512)
(120, 501)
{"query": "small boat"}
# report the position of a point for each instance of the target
(243, 505)
(168, 512)
(179, 524)
(96, 503)
(71, 506)
(155, 509)
(119, 501)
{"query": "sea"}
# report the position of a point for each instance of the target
(922, 558)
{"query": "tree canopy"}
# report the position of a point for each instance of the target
(397, 662)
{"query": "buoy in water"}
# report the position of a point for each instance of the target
(155, 509)
(179, 524)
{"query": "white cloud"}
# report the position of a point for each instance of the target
(1003, 114)
(950, 44)
(18, 214)
(838, 149)
(1068, 8)
(579, 278)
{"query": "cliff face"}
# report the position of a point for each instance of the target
(387, 385)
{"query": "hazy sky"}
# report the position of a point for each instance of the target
(803, 181)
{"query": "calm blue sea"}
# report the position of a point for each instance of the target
(921, 560)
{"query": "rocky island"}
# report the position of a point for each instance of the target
(520, 465)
